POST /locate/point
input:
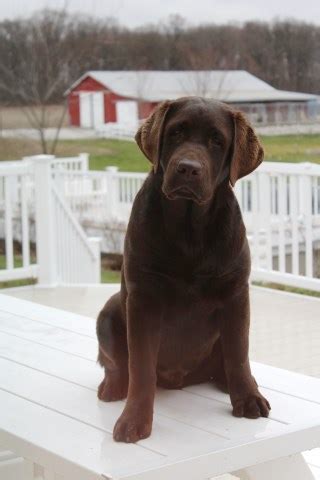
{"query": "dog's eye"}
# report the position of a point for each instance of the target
(215, 141)
(176, 132)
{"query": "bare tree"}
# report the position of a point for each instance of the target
(38, 62)
(36, 70)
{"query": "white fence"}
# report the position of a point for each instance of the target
(281, 207)
(15, 220)
(280, 204)
(117, 131)
(30, 201)
(100, 195)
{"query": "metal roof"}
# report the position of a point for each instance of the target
(225, 85)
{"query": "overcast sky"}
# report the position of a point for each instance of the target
(138, 12)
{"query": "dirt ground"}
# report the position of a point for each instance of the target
(15, 117)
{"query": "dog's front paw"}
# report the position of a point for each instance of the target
(252, 406)
(111, 390)
(131, 427)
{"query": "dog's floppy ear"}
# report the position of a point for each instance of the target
(149, 135)
(247, 150)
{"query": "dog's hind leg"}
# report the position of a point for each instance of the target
(113, 351)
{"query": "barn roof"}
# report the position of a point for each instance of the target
(226, 85)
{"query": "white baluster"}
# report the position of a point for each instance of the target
(24, 223)
(8, 185)
(265, 214)
(112, 191)
(306, 211)
(294, 212)
(282, 199)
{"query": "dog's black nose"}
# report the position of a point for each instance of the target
(189, 167)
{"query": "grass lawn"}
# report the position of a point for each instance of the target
(292, 148)
(110, 276)
(127, 156)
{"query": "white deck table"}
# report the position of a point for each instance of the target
(52, 425)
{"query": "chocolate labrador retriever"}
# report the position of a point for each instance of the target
(182, 315)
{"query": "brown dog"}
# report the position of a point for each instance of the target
(182, 315)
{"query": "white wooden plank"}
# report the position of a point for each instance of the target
(284, 408)
(200, 412)
(300, 386)
(87, 373)
(234, 457)
(82, 405)
(64, 340)
(211, 416)
(270, 377)
(63, 445)
(56, 363)
(48, 315)
(218, 457)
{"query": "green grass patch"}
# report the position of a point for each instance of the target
(103, 153)
(127, 156)
(110, 276)
(292, 148)
(18, 283)
(287, 288)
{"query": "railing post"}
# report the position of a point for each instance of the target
(84, 161)
(96, 247)
(112, 192)
(306, 212)
(44, 214)
(265, 216)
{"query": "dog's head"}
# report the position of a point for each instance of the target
(196, 144)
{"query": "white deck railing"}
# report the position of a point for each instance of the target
(30, 200)
(80, 163)
(100, 196)
(281, 207)
(15, 222)
(280, 204)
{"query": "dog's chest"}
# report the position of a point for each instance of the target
(187, 338)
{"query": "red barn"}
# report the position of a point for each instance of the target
(125, 97)
(100, 97)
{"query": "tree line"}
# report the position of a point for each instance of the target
(41, 56)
